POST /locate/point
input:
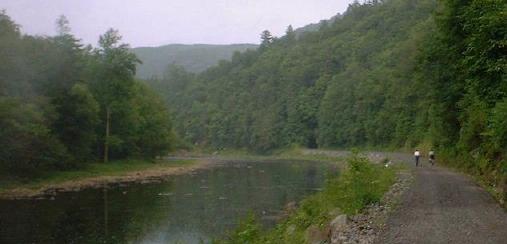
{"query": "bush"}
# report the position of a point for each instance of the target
(248, 231)
(498, 126)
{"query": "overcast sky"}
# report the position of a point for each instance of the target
(158, 22)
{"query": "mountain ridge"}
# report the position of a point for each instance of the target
(194, 58)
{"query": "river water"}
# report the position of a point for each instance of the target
(190, 208)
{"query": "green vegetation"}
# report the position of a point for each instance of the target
(391, 74)
(292, 153)
(341, 86)
(193, 58)
(90, 171)
(63, 105)
(388, 74)
(361, 184)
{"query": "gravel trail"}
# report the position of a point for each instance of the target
(445, 207)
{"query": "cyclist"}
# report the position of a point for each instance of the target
(431, 156)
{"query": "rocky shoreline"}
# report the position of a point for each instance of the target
(365, 227)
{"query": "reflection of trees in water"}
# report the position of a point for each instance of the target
(201, 205)
(111, 215)
(137, 211)
(311, 174)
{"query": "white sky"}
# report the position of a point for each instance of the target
(158, 22)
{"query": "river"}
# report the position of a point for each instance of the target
(190, 208)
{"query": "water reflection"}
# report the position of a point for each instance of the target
(185, 209)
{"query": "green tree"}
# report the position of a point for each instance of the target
(113, 74)
(153, 124)
(266, 38)
(78, 117)
(290, 34)
(28, 146)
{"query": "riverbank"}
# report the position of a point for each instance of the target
(339, 211)
(96, 175)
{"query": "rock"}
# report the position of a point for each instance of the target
(291, 207)
(290, 230)
(335, 212)
(340, 222)
(357, 218)
(339, 237)
(315, 235)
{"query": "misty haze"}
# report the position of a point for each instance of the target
(328, 121)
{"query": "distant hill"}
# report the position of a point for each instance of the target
(194, 58)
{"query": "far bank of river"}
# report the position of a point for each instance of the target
(97, 175)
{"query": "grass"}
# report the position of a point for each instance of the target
(361, 184)
(93, 170)
(290, 153)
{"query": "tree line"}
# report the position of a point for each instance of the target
(392, 74)
(63, 104)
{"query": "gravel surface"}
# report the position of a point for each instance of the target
(445, 207)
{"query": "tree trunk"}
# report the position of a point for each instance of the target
(106, 142)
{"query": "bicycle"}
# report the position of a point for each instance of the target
(432, 161)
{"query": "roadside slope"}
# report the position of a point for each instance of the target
(445, 207)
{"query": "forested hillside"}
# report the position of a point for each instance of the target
(393, 73)
(194, 58)
(63, 105)
(350, 83)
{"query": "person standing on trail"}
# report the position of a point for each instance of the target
(417, 154)
(431, 156)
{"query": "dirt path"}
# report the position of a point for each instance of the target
(445, 207)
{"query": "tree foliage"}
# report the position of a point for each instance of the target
(390, 73)
(54, 94)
